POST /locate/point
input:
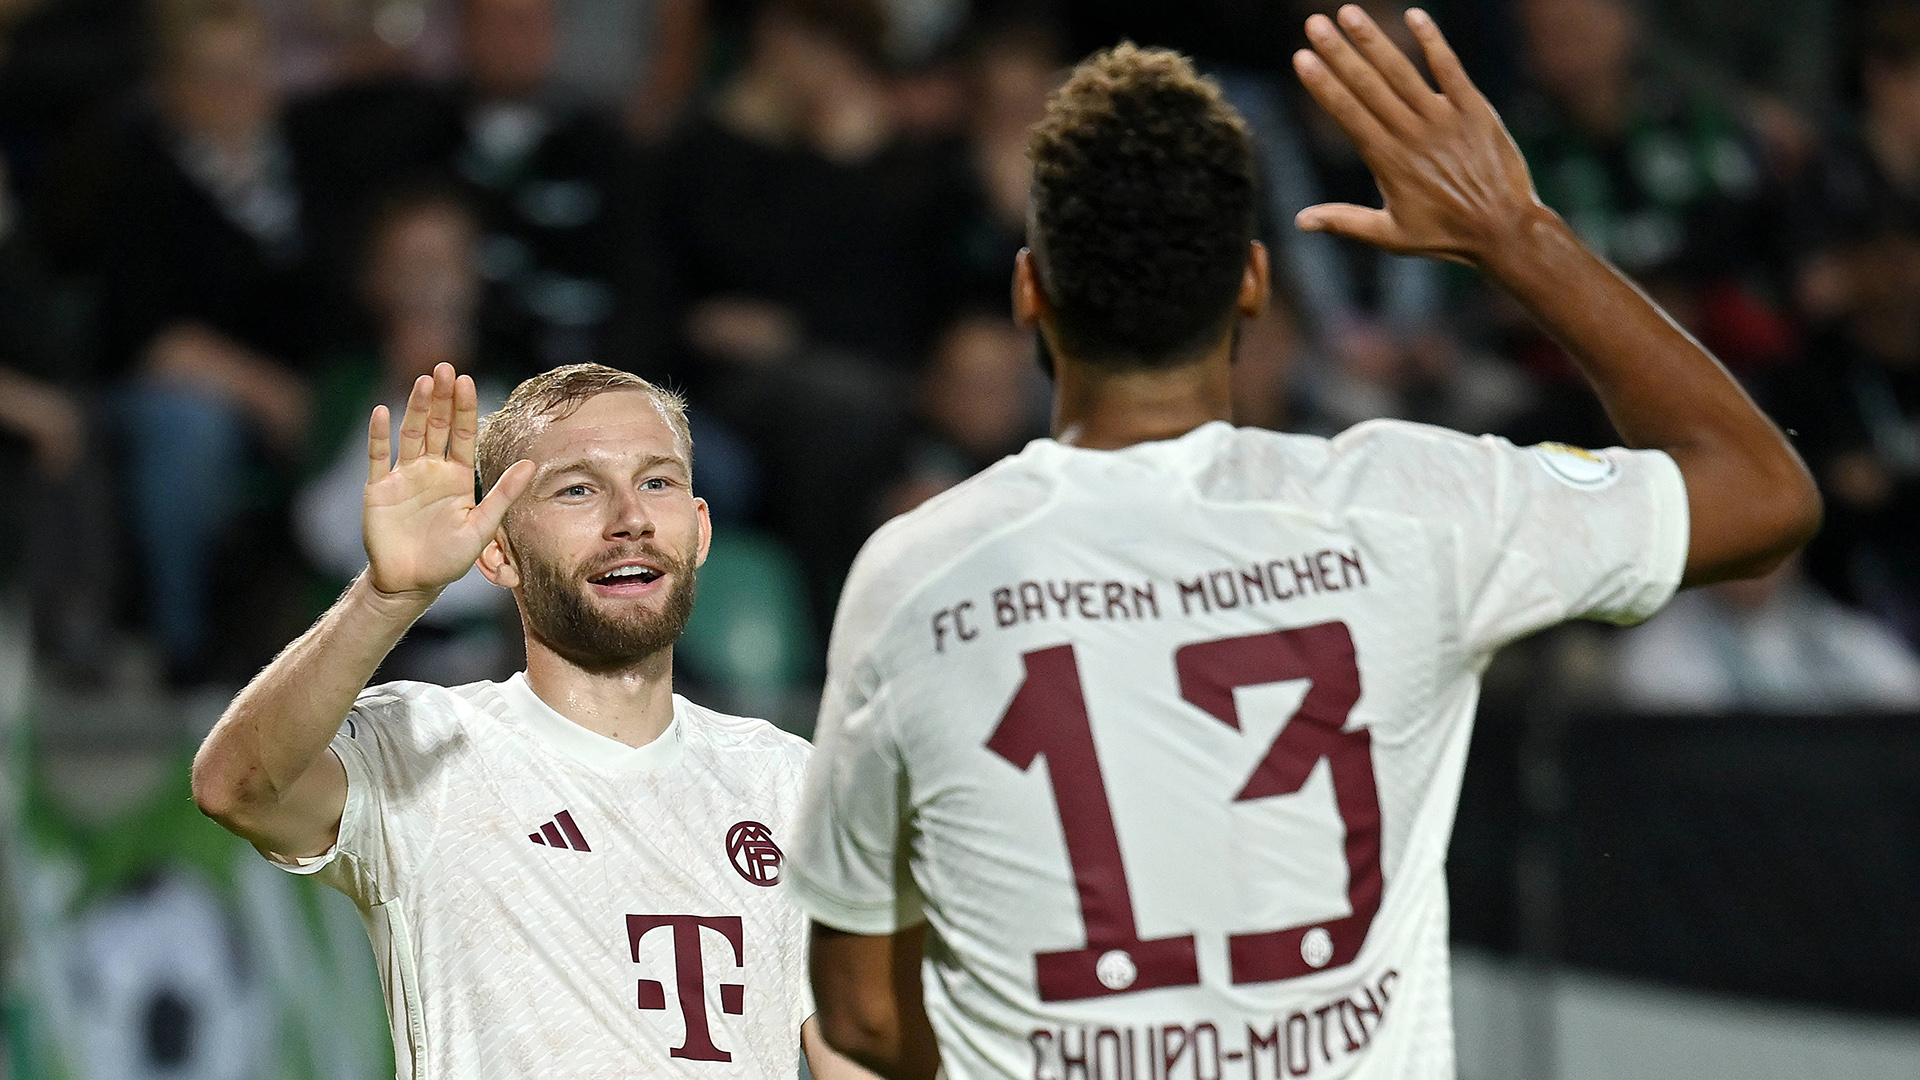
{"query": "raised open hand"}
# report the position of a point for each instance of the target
(1453, 181)
(421, 525)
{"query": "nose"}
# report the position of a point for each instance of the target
(629, 519)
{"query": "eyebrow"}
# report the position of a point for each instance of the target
(584, 465)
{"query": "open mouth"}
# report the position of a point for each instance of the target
(627, 578)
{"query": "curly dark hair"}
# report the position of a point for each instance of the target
(1143, 207)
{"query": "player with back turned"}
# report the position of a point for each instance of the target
(1140, 751)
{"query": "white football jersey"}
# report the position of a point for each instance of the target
(1164, 743)
(547, 902)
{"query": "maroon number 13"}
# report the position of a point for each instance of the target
(1048, 718)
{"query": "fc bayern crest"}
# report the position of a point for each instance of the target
(750, 845)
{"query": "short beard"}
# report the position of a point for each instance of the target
(560, 617)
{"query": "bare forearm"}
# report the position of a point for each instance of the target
(1751, 496)
(1456, 186)
(1652, 377)
(281, 723)
(871, 1006)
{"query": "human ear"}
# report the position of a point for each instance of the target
(1256, 286)
(706, 531)
(1029, 299)
(497, 564)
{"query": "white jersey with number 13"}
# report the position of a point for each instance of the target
(1165, 742)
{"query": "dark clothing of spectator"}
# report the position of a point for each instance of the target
(859, 258)
(169, 250)
(1680, 189)
(1252, 34)
(57, 522)
(862, 253)
(556, 188)
(1852, 415)
(1845, 195)
(1681, 200)
(177, 244)
(68, 64)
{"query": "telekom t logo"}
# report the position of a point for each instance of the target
(690, 976)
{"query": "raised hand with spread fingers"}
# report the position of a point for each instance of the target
(1453, 182)
(421, 524)
(265, 771)
(1454, 186)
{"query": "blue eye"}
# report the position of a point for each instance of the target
(574, 489)
(654, 483)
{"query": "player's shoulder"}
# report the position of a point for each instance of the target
(420, 700)
(1390, 436)
(1399, 458)
(421, 719)
(1258, 464)
(911, 547)
(726, 733)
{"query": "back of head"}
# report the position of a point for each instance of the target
(1143, 207)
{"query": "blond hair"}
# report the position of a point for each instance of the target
(556, 395)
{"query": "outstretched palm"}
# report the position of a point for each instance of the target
(1453, 183)
(421, 525)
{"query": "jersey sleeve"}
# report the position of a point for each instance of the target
(394, 745)
(1543, 533)
(849, 868)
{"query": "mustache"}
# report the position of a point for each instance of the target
(651, 553)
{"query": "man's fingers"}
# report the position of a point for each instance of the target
(1444, 64)
(466, 421)
(1361, 223)
(1392, 64)
(413, 426)
(506, 491)
(1368, 136)
(440, 413)
(379, 444)
(1368, 87)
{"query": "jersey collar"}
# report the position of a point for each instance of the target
(590, 748)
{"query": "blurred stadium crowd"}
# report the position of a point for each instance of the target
(232, 226)
(228, 228)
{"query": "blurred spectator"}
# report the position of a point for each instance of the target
(554, 182)
(1770, 644)
(1855, 404)
(795, 215)
(208, 302)
(982, 398)
(1380, 325)
(1869, 174)
(557, 188)
(813, 251)
(641, 58)
(1011, 68)
(64, 65)
(1658, 179)
(56, 522)
(327, 42)
(1855, 401)
(421, 281)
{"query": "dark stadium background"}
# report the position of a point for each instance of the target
(230, 227)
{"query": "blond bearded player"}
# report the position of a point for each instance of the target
(570, 874)
(1139, 751)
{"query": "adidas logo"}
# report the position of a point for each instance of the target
(561, 832)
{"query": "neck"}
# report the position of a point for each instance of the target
(1106, 409)
(633, 705)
